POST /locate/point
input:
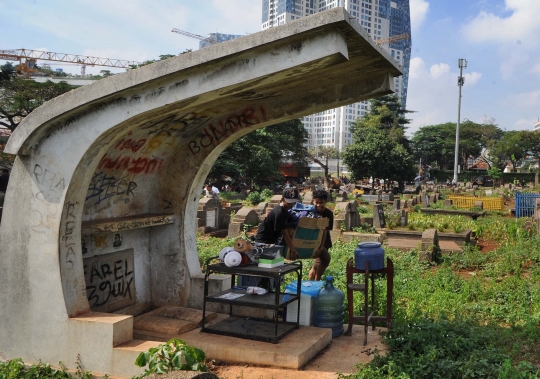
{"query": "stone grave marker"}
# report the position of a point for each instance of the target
(378, 216)
(404, 217)
(348, 211)
(387, 197)
(307, 198)
(208, 214)
(245, 216)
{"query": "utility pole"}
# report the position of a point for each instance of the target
(462, 63)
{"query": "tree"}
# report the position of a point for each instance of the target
(510, 147)
(436, 143)
(376, 153)
(386, 113)
(396, 118)
(380, 147)
(19, 96)
(257, 155)
(106, 73)
(323, 155)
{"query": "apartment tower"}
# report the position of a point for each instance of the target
(381, 19)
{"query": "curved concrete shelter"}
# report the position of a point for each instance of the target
(101, 207)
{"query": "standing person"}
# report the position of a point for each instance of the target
(273, 229)
(212, 191)
(322, 256)
(4, 179)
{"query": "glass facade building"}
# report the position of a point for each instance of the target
(217, 37)
(381, 19)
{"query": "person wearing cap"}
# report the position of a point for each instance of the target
(273, 229)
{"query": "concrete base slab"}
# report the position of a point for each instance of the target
(293, 351)
(405, 244)
(341, 355)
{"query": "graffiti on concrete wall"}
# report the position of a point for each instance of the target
(110, 281)
(103, 187)
(217, 130)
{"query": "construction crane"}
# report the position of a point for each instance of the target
(399, 37)
(31, 56)
(210, 40)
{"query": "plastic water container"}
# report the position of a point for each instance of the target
(329, 308)
(369, 251)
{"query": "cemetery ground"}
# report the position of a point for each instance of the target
(475, 313)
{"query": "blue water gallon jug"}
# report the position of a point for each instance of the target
(329, 308)
(369, 251)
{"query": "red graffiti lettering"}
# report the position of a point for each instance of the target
(135, 165)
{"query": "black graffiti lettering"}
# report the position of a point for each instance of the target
(105, 287)
(70, 209)
(117, 268)
(128, 288)
(131, 187)
(168, 204)
(193, 147)
(38, 171)
(94, 272)
(103, 187)
(127, 269)
(93, 298)
(70, 225)
(206, 139)
(106, 270)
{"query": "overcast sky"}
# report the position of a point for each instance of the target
(499, 39)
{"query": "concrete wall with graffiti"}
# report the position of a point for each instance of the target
(100, 213)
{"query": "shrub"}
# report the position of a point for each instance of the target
(174, 355)
(254, 198)
(266, 194)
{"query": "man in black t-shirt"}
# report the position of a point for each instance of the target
(322, 256)
(274, 225)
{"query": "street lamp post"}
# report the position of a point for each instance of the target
(462, 63)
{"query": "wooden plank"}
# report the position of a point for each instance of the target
(126, 223)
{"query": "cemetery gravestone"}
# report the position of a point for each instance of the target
(378, 216)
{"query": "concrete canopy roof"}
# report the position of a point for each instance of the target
(363, 62)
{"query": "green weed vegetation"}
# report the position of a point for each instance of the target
(467, 315)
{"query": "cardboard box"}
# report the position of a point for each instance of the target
(307, 236)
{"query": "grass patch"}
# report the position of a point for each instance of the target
(471, 314)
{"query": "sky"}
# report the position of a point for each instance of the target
(498, 38)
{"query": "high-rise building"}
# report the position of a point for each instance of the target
(536, 126)
(381, 19)
(217, 37)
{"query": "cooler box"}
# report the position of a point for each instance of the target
(308, 292)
